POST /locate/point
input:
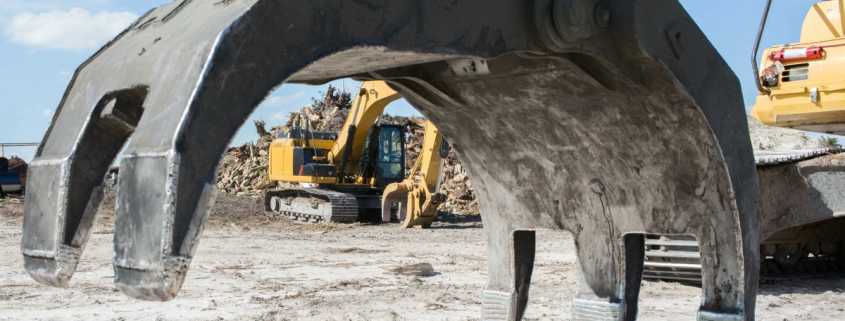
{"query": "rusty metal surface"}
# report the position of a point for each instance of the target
(607, 119)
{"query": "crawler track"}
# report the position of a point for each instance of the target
(313, 205)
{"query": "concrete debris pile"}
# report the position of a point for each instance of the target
(456, 185)
(768, 138)
(326, 115)
(243, 169)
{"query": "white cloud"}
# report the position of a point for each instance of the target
(72, 29)
(280, 117)
(283, 100)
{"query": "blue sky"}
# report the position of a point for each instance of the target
(43, 41)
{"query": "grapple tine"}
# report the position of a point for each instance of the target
(65, 181)
(132, 82)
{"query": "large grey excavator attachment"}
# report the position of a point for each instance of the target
(608, 119)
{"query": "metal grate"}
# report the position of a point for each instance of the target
(796, 72)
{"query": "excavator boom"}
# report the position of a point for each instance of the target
(372, 99)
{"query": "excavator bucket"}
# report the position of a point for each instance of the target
(415, 200)
(394, 202)
(608, 119)
(410, 203)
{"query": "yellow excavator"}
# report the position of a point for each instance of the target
(341, 176)
(801, 85)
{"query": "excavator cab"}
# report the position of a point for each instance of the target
(390, 163)
(800, 84)
(383, 161)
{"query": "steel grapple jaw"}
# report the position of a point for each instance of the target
(141, 85)
(545, 100)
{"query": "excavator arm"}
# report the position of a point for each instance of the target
(416, 198)
(373, 98)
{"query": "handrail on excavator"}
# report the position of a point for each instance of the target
(761, 29)
(754, 62)
(4, 145)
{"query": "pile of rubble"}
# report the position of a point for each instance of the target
(458, 188)
(324, 115)
(768, 138)
(243, 169)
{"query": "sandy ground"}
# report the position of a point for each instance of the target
(251, 266)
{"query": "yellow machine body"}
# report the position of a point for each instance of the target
(810, 93)
(282, 164)
(285, 156)
(373, 98)
(332, 161)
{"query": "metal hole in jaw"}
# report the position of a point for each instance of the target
(120, 111)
